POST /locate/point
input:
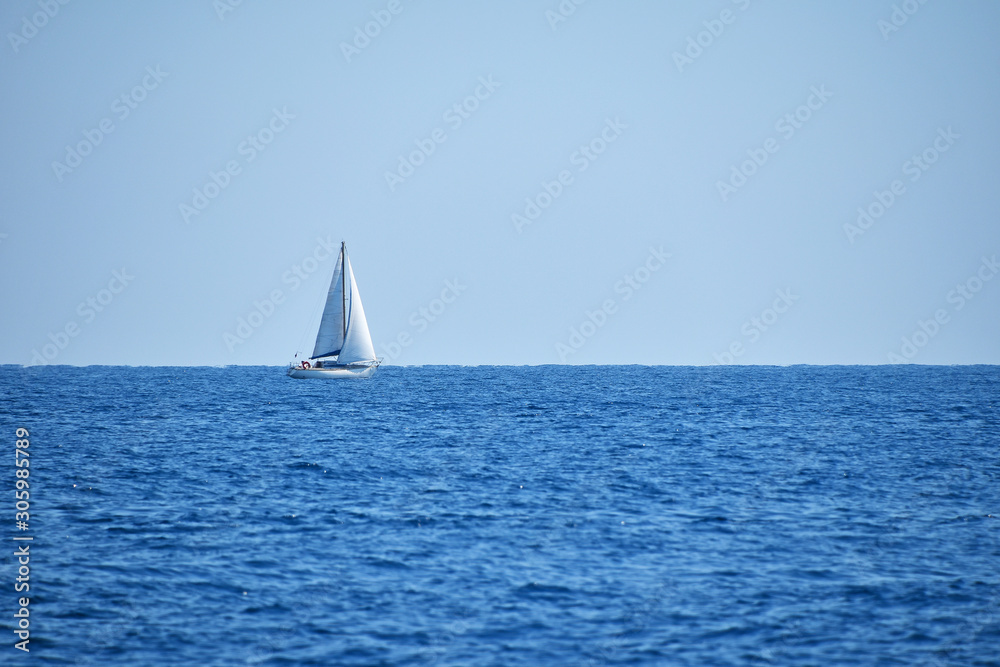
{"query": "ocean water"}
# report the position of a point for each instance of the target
(617, 515)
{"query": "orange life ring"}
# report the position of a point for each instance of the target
(306, 365)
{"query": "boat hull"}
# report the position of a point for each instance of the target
(333, 373)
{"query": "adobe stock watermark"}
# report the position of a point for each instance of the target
(755, 327)
(635, 620)
(594, 320)
(439, 643)
(563, 11)
(88, 310)
(714, 28)
(372, 29)
(962, 294)
(268, 646)
(899, 16)
(421, 319)
(110, 632)
(581, 158)
(264, 308)
(223, 7)
(250, 148)
(30, 28)
(121, 107)
(454, 115)
(955, 650)
(787, 126)
(914, 168)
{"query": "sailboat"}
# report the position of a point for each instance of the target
(343, 344)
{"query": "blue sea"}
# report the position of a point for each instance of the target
(548, 515)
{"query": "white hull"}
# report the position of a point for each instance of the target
(336, 372)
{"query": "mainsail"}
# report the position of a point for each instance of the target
(343, 329)
(330, 338)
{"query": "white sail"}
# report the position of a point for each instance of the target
(330, 338)
(343, 344)
(357, 345)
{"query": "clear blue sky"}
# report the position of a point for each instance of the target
(183, 87)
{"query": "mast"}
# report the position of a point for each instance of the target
(343, 291)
